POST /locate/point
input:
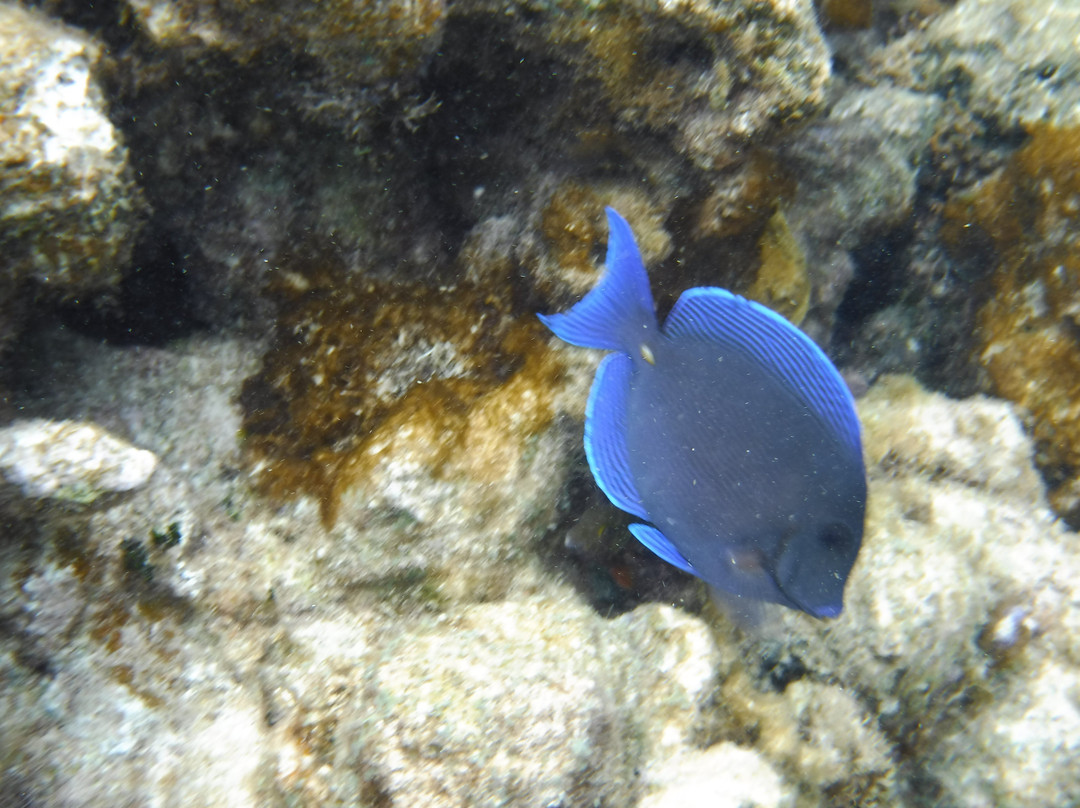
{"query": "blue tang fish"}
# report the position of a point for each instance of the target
(727, 431)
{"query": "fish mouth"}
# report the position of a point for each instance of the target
(825, 612)
(822, 611)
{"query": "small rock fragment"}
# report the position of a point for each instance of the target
(70, 461)
(725, 776)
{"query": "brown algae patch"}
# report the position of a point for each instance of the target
(363, 371)
(849, 15)
(1028, 214)
(782, 282)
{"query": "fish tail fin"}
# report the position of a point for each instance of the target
(619, 309)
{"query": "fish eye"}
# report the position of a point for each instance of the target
(834, 536)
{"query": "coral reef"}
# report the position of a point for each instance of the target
(361, 371)
(990, 69)
(538, 676)
(346, 687)
(333, 701)
(298, 514)
(875, 140)
(709, 77)
(408, 135)
(961, 547)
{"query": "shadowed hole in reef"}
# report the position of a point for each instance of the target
(152, 305)
(101, 17)
(779, 668)
(592, 547)
(478, 96)
(909, 310)
(879, 265)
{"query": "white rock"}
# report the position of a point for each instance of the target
(70, 460)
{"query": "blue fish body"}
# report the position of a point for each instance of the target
(727, 431)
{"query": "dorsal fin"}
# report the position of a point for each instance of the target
(619, 307)
(723, 318)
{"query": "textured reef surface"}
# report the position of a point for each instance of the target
(295, 510)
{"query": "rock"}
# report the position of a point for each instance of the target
(857, 166)
(533, 703)
(959, 637)
(724, 776)
(69, 209)
(106, 701)
(961, 610)
(330, 663)
(1016, 59)
(990, 73)
(345, 57)
(709, 77)
(70, 461)
(856, 170)
(1023, 220)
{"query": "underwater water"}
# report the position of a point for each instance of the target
(304, 505)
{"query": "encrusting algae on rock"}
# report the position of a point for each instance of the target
(364, 369)
(350, 55)
(70, 209)
(1028, 215)
(781, 282)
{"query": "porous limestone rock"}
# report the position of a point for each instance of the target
(708, 76)
(70, 461)
(960, 621)
(1016, 59)
(338, 59)
(69, 209)
(724, 776)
